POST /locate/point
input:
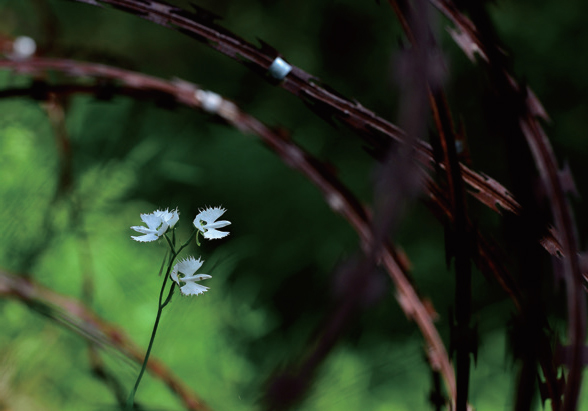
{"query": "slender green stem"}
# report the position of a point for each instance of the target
(169, 295)
(194, 233)
(161, 305)
(131, 399)
(171, 246)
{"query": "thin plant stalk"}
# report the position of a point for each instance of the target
(161, 306)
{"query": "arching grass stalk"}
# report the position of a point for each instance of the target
(183, 273)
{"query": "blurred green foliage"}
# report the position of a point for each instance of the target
(273, 276)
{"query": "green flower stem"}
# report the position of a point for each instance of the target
(169, 295)
(161, 306)
(131, 399)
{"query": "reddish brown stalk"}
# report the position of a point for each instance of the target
(545, 159)
(364, 122)
(554, 183)
(551, 385)
(76, 316)
(461, 248)
(487, 256)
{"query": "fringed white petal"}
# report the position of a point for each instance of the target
(145, 238)
(192, 288)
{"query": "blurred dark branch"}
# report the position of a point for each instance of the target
(201, 25)
(414, 20)
(487, 257)
(562, 213)
(490, 260)
(478, 37)
(459, 245)
(75, 316)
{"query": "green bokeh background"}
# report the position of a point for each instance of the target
(273, 276)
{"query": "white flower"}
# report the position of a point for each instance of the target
(206, 222)
(157, 222)
(187, 268)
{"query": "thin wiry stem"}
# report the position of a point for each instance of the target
(160, 307)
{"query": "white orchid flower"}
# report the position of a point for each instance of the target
(186, 269)
(169, 217)
(158, 222)
(206, 223)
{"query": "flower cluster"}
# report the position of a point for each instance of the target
(158, 222)
(206, 224)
